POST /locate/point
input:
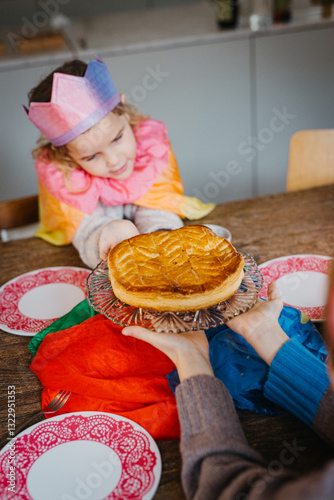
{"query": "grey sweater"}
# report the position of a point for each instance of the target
(218, 463)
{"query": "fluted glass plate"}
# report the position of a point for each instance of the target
(103, 300)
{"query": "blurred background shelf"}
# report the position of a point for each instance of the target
(126, 26)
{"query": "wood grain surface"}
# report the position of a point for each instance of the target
(266, 228)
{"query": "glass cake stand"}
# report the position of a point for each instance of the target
(102, 299)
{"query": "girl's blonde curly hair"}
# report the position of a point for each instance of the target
(42, 93)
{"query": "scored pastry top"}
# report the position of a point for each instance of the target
(186, 263)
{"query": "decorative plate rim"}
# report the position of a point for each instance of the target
(285, 257)
(314, 313)
(32, 445)
(27, 326)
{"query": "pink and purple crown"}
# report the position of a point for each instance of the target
(77, 103)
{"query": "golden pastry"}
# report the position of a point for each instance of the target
(182, 270)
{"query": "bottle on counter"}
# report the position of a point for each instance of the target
(282, 11)
(261, 14)
(227, 13)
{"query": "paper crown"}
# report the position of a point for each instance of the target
(77, 103)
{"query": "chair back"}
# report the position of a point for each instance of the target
(18, 212)
(311, 159)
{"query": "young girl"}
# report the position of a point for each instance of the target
(105, 172)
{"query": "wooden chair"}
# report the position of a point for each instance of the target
(17, 213)
(311, 159)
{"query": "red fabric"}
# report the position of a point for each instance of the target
(106, 371)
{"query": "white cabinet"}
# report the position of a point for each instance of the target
(294, 75)
(202, 93)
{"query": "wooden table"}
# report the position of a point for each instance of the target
(266, 227)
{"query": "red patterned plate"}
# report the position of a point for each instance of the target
(87, 455)
(32, 301)
(302, 281)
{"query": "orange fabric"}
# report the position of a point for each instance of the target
(58, 221)
(167, 190)
(167, 194)
(106, 371)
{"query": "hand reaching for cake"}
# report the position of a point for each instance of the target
(260, 327)
(113, 233)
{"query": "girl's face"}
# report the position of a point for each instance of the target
(108, 149)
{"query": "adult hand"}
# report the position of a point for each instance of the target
(260, 327)
(189, 351)
(113, 233)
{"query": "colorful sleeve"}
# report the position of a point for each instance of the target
(58, 221)
(167, 194)
(148, 220)
(86, 238)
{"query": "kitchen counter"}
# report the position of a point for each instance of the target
(153, 29)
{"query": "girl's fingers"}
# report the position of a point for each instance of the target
(104, 252)
(273, 291)
(113, 233)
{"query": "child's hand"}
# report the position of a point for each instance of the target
(113, 233)
(259, 326)
(189, 351)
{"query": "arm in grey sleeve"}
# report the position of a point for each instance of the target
(86, 238)
(218, 462)
(323, 420)
(148, 220)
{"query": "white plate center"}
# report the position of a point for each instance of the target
(50, 301)
(75, 470)
(304, 289)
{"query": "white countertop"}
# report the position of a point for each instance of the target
(154, 29)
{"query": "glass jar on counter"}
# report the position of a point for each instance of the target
(261, 14)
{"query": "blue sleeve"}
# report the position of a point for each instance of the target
(297, 381)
